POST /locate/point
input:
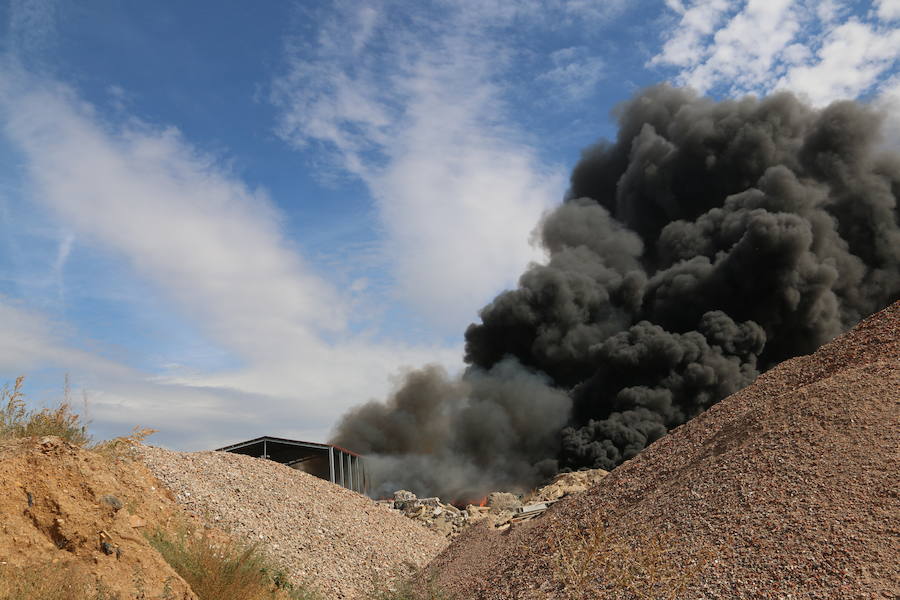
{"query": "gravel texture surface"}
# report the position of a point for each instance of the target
(787, 489)
(332, 538)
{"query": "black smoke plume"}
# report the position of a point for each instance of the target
(709, 242)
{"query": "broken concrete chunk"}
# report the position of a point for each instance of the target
(500, 501)
(403, 496)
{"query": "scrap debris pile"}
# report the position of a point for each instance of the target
(501, 508)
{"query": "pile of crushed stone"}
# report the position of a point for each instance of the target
(786, 489)
(324, 536)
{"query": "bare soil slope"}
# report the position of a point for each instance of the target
(67, 510)
(786, 489)
(332, 538)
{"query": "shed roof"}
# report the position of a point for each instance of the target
(280, 449)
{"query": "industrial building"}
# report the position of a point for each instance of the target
(327, 461)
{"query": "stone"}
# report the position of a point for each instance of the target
(501, 501)
(136, 521)
(111, 501)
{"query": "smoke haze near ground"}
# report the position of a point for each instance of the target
(708, 242)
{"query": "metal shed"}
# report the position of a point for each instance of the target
(327, 461)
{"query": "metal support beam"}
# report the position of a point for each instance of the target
(341, 456)
(265, 450)
(350, 471)
(331, 464)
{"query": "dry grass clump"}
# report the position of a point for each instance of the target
(590, 561)
(50, 582)
(225, 570)
(405, 588)
(17, 421)
(121, 446)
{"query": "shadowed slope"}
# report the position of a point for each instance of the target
(789, 487)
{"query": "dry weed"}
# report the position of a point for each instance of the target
(591, 561)
(224, 569)
(405, 584)
(17, 421)
(50, 582)
(120, 447)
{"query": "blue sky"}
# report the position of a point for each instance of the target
(229, 219)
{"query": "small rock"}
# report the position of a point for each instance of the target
(403, 496)
(136, 521)
(112, 502)
(500, 501)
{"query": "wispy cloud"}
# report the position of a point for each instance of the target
(419, 112)
(180, 220)
(31, 28)
(32, 341)
(575, 71)
(62, 255)
(216, 249)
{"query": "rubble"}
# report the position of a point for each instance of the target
(444, 519)
(500, 502)
(565, 484)
(502, 508)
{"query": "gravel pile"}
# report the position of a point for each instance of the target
(786, 489)
(336, 540)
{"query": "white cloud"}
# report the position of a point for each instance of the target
(742, 52)
(759, 46)
(684, 46)
(828, 11)
(213, 246)
(888, 9)
(418, 114)
(187, 225)
(575, 71)
(30, 341)
(850, 61)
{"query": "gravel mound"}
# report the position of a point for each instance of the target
(336, 540)
(786, 489)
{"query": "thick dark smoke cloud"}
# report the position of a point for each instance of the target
(709, 242)
(492, 429)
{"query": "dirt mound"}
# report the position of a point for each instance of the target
(324, 535)
(71, 511)
(786, 489)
